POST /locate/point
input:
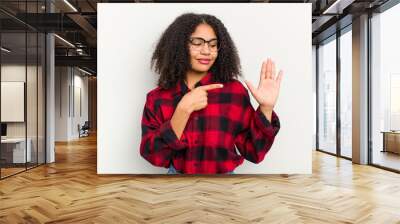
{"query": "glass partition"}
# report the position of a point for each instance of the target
(32, 95)
(13, 110)
(22, 77)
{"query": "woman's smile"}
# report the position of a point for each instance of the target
(204, 61)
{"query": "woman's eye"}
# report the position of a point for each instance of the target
(214, 43)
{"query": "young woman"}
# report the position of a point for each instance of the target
(199, 111)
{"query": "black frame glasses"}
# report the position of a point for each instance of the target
(199, 46)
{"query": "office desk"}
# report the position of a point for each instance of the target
(391, 141)
(15, 148)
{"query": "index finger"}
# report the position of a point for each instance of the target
(211, 86)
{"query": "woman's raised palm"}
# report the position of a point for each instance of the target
(266, 94)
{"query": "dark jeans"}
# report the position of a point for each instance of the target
(172, 170)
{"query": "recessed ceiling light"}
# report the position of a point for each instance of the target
(337, 7)
(70, 5)
(5, 49)
(64, 40)
(84, 71)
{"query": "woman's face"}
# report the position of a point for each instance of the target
(203, 55)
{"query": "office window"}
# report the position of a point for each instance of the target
(346, 93)
(327, 96)
(385, 89)
(314, 86)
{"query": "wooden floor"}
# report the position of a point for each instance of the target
(387, 159)
(5, 172)
(70, 191)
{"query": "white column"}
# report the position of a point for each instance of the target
(50, 110)
(360, 90)
(50, 91)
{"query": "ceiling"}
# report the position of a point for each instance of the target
(76, 22)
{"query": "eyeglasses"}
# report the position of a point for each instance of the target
(198, 44)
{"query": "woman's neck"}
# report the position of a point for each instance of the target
(192, 77)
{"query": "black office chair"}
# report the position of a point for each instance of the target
(84, 130)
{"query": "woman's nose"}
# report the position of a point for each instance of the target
(205, 49)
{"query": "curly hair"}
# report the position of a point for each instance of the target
(171, 58)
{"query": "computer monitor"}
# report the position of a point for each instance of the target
(3, 129)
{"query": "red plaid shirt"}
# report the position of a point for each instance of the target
(207, 145)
